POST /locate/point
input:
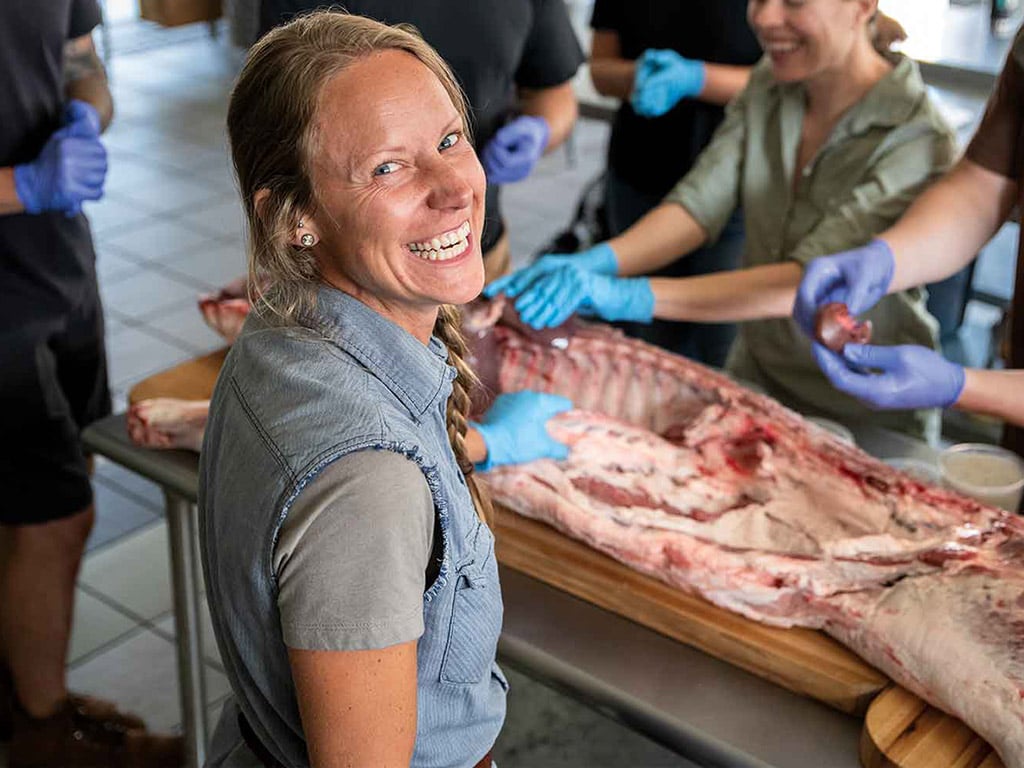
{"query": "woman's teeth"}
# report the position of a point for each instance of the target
(445, 246)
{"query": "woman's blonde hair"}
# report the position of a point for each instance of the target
(273, 137)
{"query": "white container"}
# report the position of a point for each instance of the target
(987, 473)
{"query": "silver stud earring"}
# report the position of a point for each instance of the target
(307, 240)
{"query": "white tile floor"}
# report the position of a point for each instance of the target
(169, 228)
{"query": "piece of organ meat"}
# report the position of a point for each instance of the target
(680, 473)
(835, 327)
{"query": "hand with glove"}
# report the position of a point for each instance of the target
(515, 149)
(70, 169)
(550, 299)
(910, 376)
(663, 78)
(858, 278)
(600, 260)
(514, 429)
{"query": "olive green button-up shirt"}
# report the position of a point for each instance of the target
(881, 154)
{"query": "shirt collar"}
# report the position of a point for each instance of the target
(889, 103)
(419, 375)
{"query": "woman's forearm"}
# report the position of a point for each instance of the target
(9, 200)
(996, 393)
(665, 233)
(757, 293)
(557, 105)
(613, 77)
(722, 83)
(476, 448)
(948, 224)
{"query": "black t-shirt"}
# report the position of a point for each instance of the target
(493, 46)
(652, 154)
(47, 263)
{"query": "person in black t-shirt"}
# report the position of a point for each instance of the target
(514, 58)
(674, 65)
(54, 102)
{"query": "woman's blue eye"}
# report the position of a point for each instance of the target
(449, 141)
(384, 169)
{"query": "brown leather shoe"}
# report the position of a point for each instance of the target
(96, 708)
(89, 735)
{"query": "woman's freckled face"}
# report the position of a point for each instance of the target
(805, 37)
(394, 173)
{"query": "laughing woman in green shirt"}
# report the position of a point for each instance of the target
(828, 144)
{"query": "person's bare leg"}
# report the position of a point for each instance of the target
(38, 572)
(164, 422)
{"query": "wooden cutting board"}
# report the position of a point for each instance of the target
(901, 731)
(801, 660)
(191, 380)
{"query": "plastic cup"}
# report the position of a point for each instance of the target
(917, 469)
(835, 428)
(990, 474)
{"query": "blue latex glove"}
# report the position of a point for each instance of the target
(858, 278)
(911, 376)
(600, 259)
(515, 149)
(662, 79)
(70, 169)
(514, 429)
(550, 299)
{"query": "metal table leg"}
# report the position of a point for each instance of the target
(185, 583)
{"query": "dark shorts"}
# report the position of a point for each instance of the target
(53, 383)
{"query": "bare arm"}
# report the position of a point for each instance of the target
(557, 105)
(723, 82)
(996, 393)
(611, 73)
(85, 79)
(756, 293)
(358, 708)
(948, 224)
(664, 234)
(614, 75)
(9, 200)
(476, 448)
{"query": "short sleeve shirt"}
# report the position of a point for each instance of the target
(46, 260)
(881, 154)
(354, 555)
(493, 46)
(998, 146)
(652, 154)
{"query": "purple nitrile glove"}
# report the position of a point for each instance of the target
(514, 429)
(663, 78)
(600, 259)
(858, 278)
(550, 299)
(84, 115)
(513, 151)
(910, 376)
(70, 169)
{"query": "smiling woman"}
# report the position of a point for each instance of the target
(350, 571)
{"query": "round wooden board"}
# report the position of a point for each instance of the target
(901, 731)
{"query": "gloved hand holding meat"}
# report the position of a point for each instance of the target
(514, 429)
(906, 376)
(858, 278)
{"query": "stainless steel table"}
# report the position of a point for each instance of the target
(703, 708)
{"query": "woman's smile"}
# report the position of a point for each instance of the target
(445, 246)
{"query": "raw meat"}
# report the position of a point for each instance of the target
(226, 310)
(835, 327)
(681, 473)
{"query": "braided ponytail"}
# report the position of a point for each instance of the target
(448, 328)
